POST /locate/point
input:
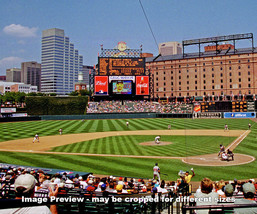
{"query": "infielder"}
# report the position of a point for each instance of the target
(226, 127)
(127, 123)
(156, 172)
(60, 131)
(36, 138)
(157, 139)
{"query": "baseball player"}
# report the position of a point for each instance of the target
(36, 138)
(157, 139)
(127, 123)
(226, 127)
(156, 172)
(60, 131)
(169, 127)
(249, 126)
(222, 149)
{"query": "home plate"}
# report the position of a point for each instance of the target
(213, 160)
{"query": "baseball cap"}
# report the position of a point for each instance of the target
(229, 189)
(90, 182)
(248, 187)
(181, 173)
(26, 181)
(119, 187)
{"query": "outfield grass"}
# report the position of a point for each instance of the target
(182, 146)
(131, 166)
(18, 130)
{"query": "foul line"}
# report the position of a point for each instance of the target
(238, 140)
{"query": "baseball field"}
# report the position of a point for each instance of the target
(109, 147)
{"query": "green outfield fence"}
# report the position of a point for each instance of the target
(113, 116)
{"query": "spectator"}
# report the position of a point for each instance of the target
(206, 196)
(25, 187)
(249, 192)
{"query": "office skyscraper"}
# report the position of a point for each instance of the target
(60, 63)
(31, 74)
(170, 48)
(13, 75)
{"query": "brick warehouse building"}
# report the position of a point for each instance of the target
(220, 72)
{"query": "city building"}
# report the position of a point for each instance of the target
(60, 63)
(219, 72)
(80, 85)
(31, 74)
(87, 71)
(16, 87)
(2, 78)
(13, 75)
(170, 48)
(24, 88)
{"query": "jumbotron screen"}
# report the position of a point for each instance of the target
(121, 66)
(122, 87)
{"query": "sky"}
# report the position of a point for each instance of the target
(92, 23)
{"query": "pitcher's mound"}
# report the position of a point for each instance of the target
(214, 160)
(152, 143)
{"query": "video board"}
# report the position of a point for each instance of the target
(122, 87)
(121, 66)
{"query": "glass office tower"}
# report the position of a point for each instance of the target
(60, 63)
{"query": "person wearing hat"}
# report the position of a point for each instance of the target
(188, 177)
(249, 192)
(24, 186)
(156, 172)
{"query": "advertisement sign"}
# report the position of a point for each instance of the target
(101, 85)
(197, 107)
(111, 78)
(142, 85)
(239, 115)
(8, 110)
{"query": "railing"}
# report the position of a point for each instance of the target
(222, 208)
(123, 203)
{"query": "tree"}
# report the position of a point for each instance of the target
(20, 97)
(84, 92)
(32, 94)
(74, 93)
(9, 97)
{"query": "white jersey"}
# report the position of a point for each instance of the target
(157, 138)
(156, 170)
(224, 156)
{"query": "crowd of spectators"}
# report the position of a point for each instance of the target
(138, 106)
(14, 182)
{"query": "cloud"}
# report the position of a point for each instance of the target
(20, 31)
(10, 62)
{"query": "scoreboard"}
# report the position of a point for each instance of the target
(121, 66)
(239, 106)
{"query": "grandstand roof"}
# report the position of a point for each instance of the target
(202, 54)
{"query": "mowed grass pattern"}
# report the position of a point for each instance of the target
(130, 145)
(18, 130)
(134, 167)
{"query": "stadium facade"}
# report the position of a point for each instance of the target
(220, 72)
(60, 62)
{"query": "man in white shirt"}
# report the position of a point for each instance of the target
(156, 172)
